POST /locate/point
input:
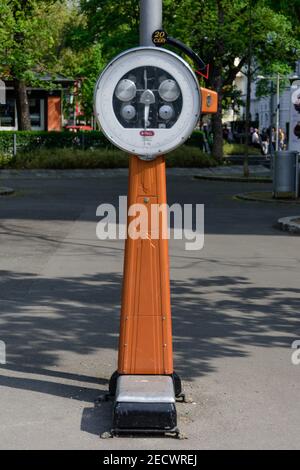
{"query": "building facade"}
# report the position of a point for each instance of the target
(45, 106)
(263, 109)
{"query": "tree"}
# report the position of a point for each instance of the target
(222, 37)
(218, 29)
(27, 38)
(115, 25)
(291, 9)
(249, 79)
(84, 64)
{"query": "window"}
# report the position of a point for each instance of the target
(8, 114)
(36, 110)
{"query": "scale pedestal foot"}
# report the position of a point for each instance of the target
(144, 404)
(175, 378)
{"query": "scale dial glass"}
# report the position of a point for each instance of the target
(169, 90)
(161, 88)
(126, 90)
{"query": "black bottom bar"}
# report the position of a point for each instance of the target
(144, 417)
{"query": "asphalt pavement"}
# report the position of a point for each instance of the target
(236, 307)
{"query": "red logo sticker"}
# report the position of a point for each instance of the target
(147, 133)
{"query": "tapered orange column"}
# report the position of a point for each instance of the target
(146, 333)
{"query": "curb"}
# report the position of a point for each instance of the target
(249, 197)
(287, 225)
(6, 191)
(85, 173)
(238, 179)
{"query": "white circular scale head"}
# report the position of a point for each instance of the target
(147, 101)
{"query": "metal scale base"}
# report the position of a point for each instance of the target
(144, 404)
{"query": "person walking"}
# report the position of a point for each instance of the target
(206, 138)
(256, 139)
(281, 139)
(272, 139)
(264, 142)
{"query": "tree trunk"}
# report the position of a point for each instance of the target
(248, 99)
(22, 106)
(217, 79)
(247, 127)
(217, 128)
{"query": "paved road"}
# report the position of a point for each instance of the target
(236, 310)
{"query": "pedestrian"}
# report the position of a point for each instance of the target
(274, 132)
(264, 142)
(256, 139)
(206, 138)
(272, 139)
(281, 139)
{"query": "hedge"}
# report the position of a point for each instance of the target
(28, 141)
(98, 158)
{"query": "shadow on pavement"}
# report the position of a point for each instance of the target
(212, 317)
(50, 388)
(97, 420)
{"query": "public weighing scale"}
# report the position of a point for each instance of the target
(147, 103)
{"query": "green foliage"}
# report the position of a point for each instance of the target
(65, 158)
(48, 158)
(31, 141)
(219, 30)
(222, 35)
(85, 64)
(267, 86)
(27, 34)
(290, 8)
(239, 149)
(192, 157)
(113, 24)
(230, 35)
(232, 98)
(77, 39)
(196, 139)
